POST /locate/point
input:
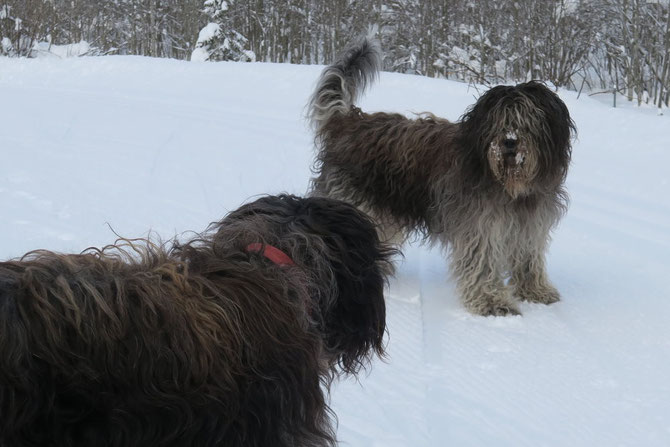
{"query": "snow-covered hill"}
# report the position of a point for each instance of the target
(94, 146)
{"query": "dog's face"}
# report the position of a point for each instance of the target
(337, 246)
(522, 134)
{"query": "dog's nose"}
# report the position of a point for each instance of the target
(509, 143)
(509, 151)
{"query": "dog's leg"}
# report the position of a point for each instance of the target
(530, 280)
(389, 232)
(479, 277)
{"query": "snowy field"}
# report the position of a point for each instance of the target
(97, 146)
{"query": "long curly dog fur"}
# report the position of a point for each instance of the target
(203, 343)
(489, 187)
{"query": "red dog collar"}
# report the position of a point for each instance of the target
(272, 253)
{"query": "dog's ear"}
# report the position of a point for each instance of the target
(475, 130)
(355, 319)
(558, 129)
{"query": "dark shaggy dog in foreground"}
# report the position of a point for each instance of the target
(489, 187)
(227, 340)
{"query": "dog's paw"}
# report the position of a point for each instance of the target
(500, 310)
(543, 295)
(491, 306)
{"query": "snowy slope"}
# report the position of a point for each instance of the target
(94, 146)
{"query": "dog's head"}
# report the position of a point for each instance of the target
(345, 266)
(522, 134)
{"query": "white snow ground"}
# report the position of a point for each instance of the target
(129, 144)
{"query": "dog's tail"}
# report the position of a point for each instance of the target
(342, 82)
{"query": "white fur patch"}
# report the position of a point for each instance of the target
(495, 149)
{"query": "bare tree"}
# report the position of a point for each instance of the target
(600, 44)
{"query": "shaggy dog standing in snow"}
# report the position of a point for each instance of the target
(227, 340)
(490, 186)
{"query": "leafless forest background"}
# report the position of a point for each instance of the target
(597, 45)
